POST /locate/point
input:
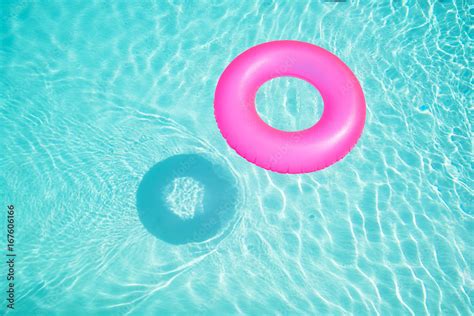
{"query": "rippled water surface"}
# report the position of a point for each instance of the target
(95, 94)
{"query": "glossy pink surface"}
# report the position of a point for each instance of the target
(315, 148)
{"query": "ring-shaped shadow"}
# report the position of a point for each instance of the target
(208, 195)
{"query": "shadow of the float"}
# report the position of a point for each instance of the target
(217, 207)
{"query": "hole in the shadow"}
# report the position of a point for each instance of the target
(187, 198)
(289, 104)
(184, 197)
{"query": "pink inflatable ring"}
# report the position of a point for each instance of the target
(315, 148)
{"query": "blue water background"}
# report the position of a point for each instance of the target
(93, 94)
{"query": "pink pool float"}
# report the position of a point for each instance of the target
(312, 149)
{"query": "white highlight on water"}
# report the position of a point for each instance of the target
(185, 197)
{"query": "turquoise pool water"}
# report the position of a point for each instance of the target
(95, 95)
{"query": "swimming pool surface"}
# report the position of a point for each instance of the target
(107, 130)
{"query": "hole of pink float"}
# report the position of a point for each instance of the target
(289, 104)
